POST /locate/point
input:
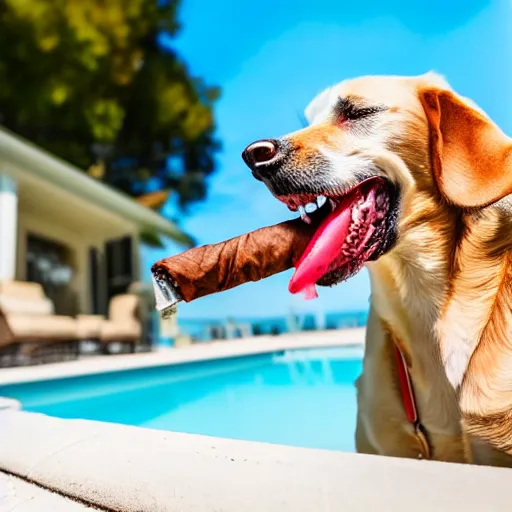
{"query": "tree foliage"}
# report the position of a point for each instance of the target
(89, 81)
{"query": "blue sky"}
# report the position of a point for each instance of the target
(272, 56)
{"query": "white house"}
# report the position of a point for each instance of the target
(68, 231)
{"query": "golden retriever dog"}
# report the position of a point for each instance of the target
(410, 179)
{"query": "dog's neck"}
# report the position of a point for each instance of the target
(447, 294)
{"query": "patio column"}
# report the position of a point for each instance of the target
(8, 227)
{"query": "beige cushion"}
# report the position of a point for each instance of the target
(26, 306)
(22, 297)
(123, 307)
(128, 330)
(48, 328)
(22, 290)
(89, 326)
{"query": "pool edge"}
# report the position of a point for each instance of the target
(117, 467)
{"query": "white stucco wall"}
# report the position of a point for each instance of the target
(8, 226)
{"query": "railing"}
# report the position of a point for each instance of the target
(210, 329)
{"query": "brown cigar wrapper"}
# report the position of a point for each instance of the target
(218, 267)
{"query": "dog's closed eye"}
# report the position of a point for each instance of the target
(348, 109)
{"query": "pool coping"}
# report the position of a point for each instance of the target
(114, 467)
(193, 353)
(17, 494)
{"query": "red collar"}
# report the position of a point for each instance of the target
(409, 401)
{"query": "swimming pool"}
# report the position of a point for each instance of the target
(300, 397)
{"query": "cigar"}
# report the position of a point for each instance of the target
(218, 267)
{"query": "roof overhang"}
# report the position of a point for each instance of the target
(32, 159)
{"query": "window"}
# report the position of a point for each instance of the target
(51, 264)
(119, 265)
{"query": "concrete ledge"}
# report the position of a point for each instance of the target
(9, 403)
(17, 495)
(131, 469)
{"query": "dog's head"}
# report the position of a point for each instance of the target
(371, 143)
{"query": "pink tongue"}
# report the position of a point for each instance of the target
(323, 249)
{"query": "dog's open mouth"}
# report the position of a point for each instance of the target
(352, 229)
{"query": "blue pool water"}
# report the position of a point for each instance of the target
(300, 398)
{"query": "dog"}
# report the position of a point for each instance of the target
(413, 181)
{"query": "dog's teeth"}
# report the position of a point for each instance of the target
(320, 201)
(332, 202)
(310, 207)
(304, 215)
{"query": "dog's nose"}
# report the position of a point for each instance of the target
(262, 157)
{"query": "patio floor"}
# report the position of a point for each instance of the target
(195, 352)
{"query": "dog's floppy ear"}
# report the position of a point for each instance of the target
(471, 156)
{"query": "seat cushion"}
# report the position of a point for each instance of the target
(47, 328)
(24, 297)
(22, 290)
(120, 331)
(89, 326)
(41, 306)
(123, 307)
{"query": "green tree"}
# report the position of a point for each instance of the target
(89, 81)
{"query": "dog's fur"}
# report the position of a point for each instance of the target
(443, 293)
